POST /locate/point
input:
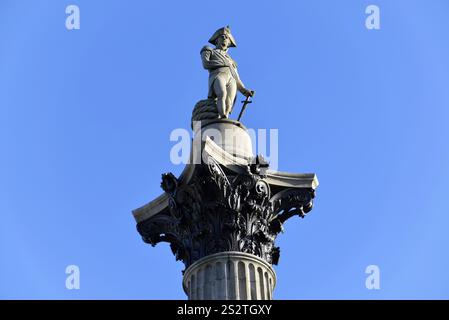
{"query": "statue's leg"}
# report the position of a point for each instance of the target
(221, 93)
(230, 98)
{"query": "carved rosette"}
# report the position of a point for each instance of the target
(219, 210)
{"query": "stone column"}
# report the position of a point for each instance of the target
(229, 275)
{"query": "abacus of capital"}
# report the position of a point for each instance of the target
(222, 215)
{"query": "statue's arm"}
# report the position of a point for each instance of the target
(209, 63)
(240, 85)
(235, 74)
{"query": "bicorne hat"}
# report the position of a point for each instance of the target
(225, 30)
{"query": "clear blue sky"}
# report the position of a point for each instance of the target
(86, 115)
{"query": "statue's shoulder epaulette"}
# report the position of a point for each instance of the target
(206, 48)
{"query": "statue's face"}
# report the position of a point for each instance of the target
(223, 42)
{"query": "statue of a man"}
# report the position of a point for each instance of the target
(224, 80)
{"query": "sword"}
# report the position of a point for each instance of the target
(245, 103)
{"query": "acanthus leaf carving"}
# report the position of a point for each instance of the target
(222, 211)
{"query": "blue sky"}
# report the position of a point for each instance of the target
(86, 116)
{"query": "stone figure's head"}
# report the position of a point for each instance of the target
(223, 39)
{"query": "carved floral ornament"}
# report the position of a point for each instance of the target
(220, 210)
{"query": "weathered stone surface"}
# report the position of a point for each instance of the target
(226, 203)
(205, 110)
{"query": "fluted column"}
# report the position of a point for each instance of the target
(229, 275)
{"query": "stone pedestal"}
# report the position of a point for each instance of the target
(229, 135)
(229, 275)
